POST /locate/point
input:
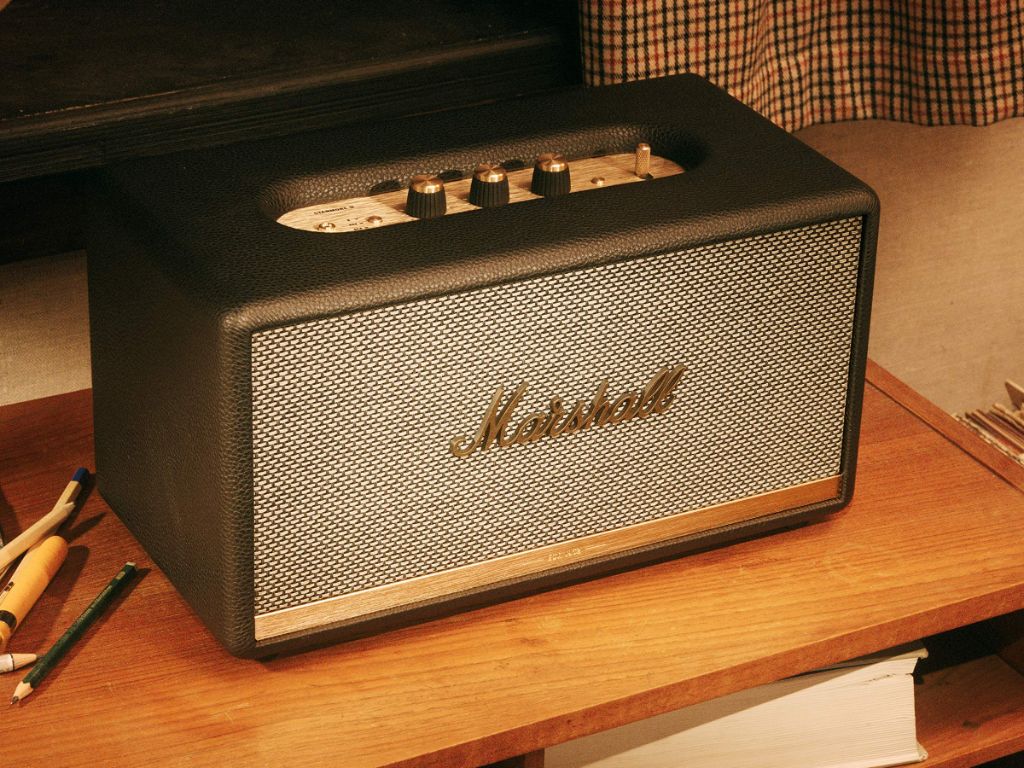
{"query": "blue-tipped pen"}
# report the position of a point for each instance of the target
(45, 525)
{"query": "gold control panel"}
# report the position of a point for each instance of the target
(392, 207)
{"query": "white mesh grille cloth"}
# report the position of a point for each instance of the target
(352, 415)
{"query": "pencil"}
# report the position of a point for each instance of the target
(45, 525)
(9, 662)
(75, 631)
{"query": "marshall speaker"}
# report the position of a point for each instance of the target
(357, 378)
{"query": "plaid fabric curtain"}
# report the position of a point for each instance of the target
(811, 61)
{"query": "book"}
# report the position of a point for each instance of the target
(857, 714)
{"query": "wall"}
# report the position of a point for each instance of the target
(44, 327)
(949, 289)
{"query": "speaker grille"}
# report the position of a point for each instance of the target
(354, 485)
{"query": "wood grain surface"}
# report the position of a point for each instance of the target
(971, 713)
(933, 540)
(960, 435)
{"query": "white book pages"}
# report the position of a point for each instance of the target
(845, 716)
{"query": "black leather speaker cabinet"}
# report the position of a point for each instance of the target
(324, 417)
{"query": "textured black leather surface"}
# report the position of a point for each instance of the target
(186, 262)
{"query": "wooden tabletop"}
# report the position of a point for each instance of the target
(933, 540)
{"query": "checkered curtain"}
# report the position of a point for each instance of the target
(812, 61)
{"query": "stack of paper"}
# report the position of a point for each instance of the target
(1000, 425)
(859, 714)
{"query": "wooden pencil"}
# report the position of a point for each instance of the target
(75, 631)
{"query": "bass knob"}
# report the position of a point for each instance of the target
(489, 187)
(550, 175)
(426, 199)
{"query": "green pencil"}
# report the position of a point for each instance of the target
(75, 631)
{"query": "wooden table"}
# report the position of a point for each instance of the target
(933, 541)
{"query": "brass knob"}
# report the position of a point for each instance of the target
(489, 187)
(550, 175)
(426, 199)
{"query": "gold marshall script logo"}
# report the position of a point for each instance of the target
(599, 411)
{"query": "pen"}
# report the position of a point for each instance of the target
(45, 525)
(75, 631)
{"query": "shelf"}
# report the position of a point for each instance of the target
(971, 713)
(933, 540)
(75, 95)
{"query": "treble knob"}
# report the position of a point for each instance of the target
(550, 175)
(426, 198)
(489, 188)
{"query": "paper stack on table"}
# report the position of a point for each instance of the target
(1000, 425)
(858, 714)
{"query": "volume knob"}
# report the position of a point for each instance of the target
(550, 176)
(426, 198)
(489, 187)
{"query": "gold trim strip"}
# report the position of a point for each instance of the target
(475, 575)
